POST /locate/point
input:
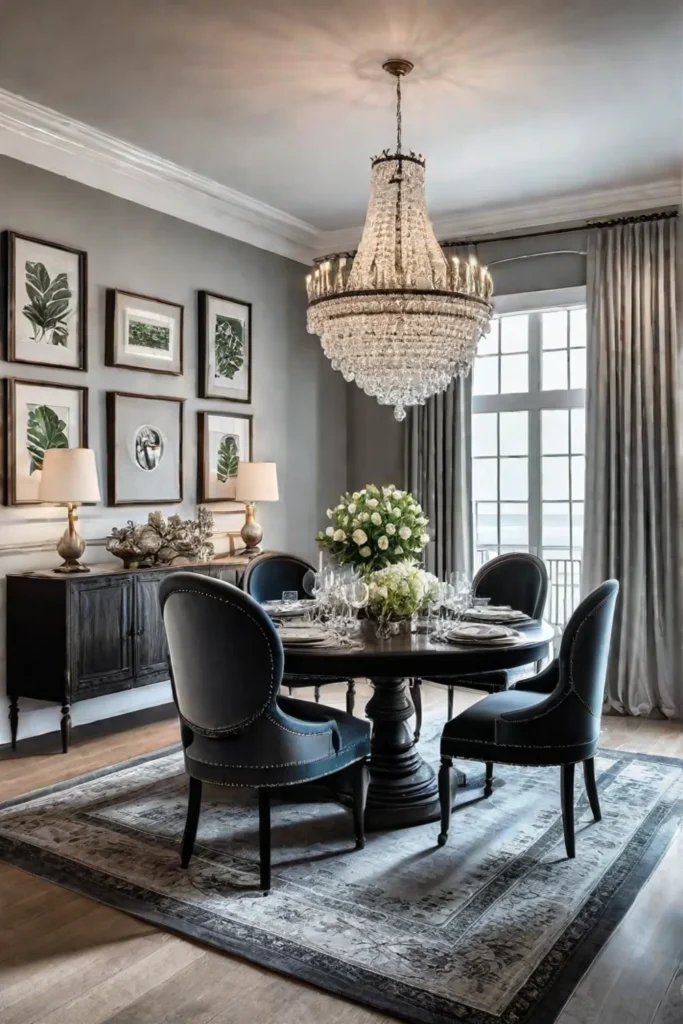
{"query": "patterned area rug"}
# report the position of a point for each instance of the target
(495, 928)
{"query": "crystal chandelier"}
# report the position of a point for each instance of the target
(399, 317)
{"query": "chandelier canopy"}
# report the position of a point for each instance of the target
(399, 317)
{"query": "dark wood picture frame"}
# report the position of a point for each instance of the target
(202, 327)
(202, 428)
(112, 498)
(110, 332)
(9, 242)
(10, 428)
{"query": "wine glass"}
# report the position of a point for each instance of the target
(356, 594)
(310, 582)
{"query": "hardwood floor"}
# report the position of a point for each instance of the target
(68, 960)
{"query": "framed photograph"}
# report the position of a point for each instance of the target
(46, 303)
(144, 333)
(225, 440)
(224, 348)
(144, 449)
(40, 416)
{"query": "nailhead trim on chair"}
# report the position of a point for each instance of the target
(241, 726)
(267, 767)
(276, 785)
(298, 732)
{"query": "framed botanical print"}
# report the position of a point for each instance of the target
(144, 449)
(46, 303)
(40, 416)
(225, 440)
(144, 333)
(224, 348)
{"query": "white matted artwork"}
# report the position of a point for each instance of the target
(47, 304)
(144, 449)
(144, 333)
(224, 348)
(224, 442)
(39, 417)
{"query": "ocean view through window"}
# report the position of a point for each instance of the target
(528, 444)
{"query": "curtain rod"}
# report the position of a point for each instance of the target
(635, 219)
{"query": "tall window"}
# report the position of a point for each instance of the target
(528, 442)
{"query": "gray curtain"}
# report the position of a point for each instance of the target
(438, 472)
(632, 467)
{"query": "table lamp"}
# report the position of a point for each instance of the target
(256, 481)
(69, 478)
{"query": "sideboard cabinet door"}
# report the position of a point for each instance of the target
(101, 626)
(151, 649)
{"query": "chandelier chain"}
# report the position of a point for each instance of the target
(398, 115)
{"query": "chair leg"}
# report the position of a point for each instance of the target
(291, 689)
(194, 802)
(416, 694)
(591, 788)
(350, 696)
(316, 694)
(450, 702)
(361, 780)
(488, 785)
(568, 808)
(445, 797)
(264, 836)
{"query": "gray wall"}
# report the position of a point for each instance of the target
(299, 402)
(375, 439)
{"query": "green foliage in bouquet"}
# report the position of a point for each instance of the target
(398, 591)
(375, 527)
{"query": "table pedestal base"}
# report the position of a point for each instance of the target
(403, 788)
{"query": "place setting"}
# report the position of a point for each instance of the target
(480, 634)
(495, 613)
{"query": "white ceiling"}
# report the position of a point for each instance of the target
(512, 101)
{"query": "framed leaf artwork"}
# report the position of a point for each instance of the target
(144, 449)
(225, 440)
(144, 333)
(47, 303)
(40, 416)
(224, 348)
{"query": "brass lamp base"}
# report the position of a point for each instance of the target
(251, 533)
(71, 546)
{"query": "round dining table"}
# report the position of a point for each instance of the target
(403, 788)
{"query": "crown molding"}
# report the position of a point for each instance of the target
(37, 135)
(45, 138)
(559, 211)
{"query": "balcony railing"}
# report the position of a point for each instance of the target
(564, 586)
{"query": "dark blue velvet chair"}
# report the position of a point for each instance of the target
(551, 719)
(226, 663)
(265, 579)
(518, 579)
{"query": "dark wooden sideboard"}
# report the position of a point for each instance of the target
(70, 638)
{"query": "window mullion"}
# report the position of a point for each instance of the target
(535, 523)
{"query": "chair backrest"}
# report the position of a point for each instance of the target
(584, 650)
(225, 655)
(269, 574)
(518, 579)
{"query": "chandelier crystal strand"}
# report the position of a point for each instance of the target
(399, 317)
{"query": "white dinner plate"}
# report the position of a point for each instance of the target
(478, 633)
(500, 615)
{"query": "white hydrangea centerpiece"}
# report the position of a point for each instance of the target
(398, 591)
(375, 527)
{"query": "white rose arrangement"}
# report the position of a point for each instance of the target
(400, 590)
(375, 527)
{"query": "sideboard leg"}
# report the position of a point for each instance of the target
(65, 726)
(14, 720)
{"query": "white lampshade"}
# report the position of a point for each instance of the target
(256, 481)
(69, 475)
